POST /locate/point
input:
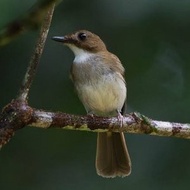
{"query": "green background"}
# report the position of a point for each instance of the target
(152, 39)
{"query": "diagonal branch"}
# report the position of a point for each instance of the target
(17, 114)
(35, 59)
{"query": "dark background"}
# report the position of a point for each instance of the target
(152, 39)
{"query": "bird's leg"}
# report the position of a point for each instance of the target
(120, 118)
(90, 113)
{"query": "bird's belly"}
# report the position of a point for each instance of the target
(103, 96)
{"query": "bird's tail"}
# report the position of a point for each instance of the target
(112, 157)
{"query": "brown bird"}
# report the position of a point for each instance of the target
(98, 77)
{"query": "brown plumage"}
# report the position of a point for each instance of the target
(112, 157)
(98, 78)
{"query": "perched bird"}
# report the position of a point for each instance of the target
(98, 77)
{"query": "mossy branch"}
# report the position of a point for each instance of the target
(18, 114)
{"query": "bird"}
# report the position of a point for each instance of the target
(98, 77)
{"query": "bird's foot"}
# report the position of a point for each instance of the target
(120, 118)
(90, 113)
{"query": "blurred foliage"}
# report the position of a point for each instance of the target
(152, 40)
(31, 20)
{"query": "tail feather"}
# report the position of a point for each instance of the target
(112, 157)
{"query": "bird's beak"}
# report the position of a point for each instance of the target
(59, 39)
(64, 39)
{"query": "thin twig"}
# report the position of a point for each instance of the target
(17, 114)
(35, 59)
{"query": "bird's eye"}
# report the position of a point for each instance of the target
(82, 36)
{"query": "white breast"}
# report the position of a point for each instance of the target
(81, 55)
